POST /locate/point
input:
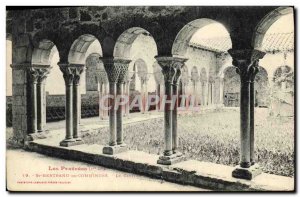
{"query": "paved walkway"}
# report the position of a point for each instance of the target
(28, 171)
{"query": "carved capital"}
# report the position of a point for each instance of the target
(77, 69)
(68, 73)
(42, 72)
(33, 74)
(171, 68)
(113, 68)
(246, 63)
(123, 65)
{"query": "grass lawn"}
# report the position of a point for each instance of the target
(214, 137)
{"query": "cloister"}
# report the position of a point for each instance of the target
(100, 42)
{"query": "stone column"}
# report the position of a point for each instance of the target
(113, 68)
(246, 63)
(68, 77)
(171, 69)
(105, 112)
(43, 72)
(77, 70)
(252, 109)
(123, 66)
(33, 75)
(174, 112)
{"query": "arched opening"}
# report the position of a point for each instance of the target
(87, 50)
(269, 20)
(138, 45)
(204, 42)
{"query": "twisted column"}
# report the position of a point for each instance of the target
(246, 62)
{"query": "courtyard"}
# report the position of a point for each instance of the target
(214, 137)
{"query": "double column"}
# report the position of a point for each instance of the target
(171, 69)
(246, 63)
(72, 74)
(117, 70)
(37, 107)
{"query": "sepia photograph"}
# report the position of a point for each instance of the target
(150, 98)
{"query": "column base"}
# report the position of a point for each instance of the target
(36, 136)
(246, 173)
(71, 142)
(112, 150)
(172, 159)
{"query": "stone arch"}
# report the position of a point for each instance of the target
(181, 42)
(78, 51)
(124, 42)
(266, 23)
(43, 52)
(62, 40)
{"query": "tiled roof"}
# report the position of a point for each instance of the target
(272, 42)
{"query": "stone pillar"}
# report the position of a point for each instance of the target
(68, 77)
(43, 72)
(71, 74)
(246, 62)
(33, 77)
(113, 68)
(78, 69)
(252, 109)
(175, 84)
(123, 66)
(171, 69)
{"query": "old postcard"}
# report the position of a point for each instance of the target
(150, 98)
